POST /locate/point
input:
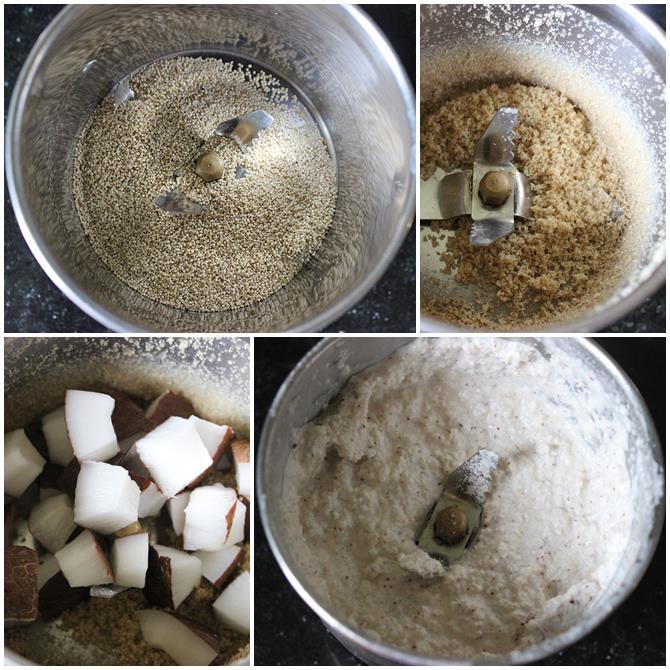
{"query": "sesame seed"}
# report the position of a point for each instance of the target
(257, 232)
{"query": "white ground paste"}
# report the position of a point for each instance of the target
(556, 522)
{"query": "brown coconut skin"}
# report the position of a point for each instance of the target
(20, 585)
(218, 454)
(169, 404)
(68, 483)
(57, 595)
(51, 476)
(228, 574)
(212, 639)
(247, 519)
(128, 418)
(158, 584)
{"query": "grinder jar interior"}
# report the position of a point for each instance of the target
(332, 55)
(613, 68)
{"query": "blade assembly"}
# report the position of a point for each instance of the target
(492, 193)
(453, 520)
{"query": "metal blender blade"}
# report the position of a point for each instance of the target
(176, 201)
(244, 130)
(451, 524)
(121, 92)
(492, 193)
(494, 154)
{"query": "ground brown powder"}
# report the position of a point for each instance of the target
(567, 255)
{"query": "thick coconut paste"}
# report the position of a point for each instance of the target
(556, 521)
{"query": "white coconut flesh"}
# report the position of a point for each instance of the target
(106, 498)
(186, 571)
(151, 501)
(174, 455)
(130, 560)
(212, 435)
(51, 521)
(232, 606)
(163, 631)
(217, 564)
(55, 434)
(176, 508)
(88, 416)
(23, 463)
(237, 528)
(83, 562)
(209, 516)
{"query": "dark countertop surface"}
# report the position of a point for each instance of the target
(287, 632)
(34, 304)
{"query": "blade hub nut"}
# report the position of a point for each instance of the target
(495, 188)
(451, 525)
(210, 166)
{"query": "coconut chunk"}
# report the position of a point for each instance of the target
(171, 576)
(88, 416)
(132, 462)
(215, 437)
(174, 455)
(240, 450)
(20, 585)
(46, 569)
(106, 498)
(168, 404)
(55, 434)
(83, 562)
(232, 606)
(130, 560)
(151, 501)
(237, 526)
(209, 517)
(219, 566)
(51, 522)
(23, 463)
(128, 418)
(184, 641)
(176, 507)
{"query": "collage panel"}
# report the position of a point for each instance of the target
(543, 167)
(127, 501)
(211, 247)
(459, 500)
(210, 168)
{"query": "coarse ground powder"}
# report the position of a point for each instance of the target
(257, 232)
(562, 258)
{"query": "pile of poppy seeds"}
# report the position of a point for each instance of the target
(258, 230)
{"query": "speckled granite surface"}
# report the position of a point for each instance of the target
(287, 632)
(34, 304)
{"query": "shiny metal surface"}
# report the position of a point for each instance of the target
(214, 373)
(243, 129)
(626, 51)
(317, 379)
(336, 61)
